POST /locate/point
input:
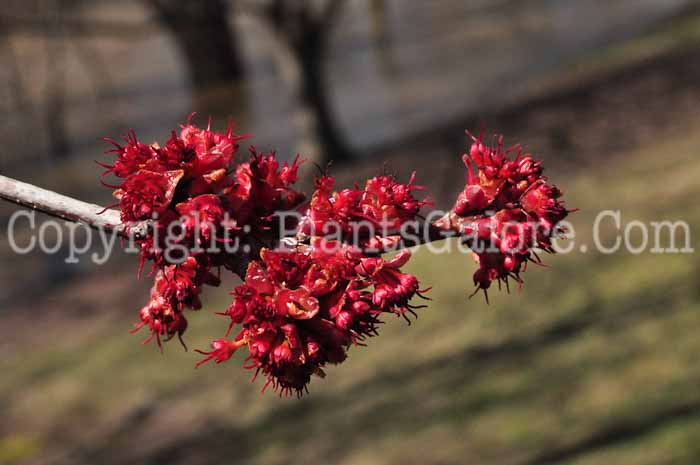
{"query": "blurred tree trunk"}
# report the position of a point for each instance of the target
(205, 38)
(55, 91)
(15, 87)
(305, 30)
(379, 21)
(315, 93)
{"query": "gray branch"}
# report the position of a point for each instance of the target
(67, 208)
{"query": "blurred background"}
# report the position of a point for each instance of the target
(595, 361)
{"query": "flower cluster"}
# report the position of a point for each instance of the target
(303, 308)
(190, 190)
(306, 299)
(506, 211)
(384, 205)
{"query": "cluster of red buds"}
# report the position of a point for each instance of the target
(302, 309)
(384, 205)
(307, 298)
(191, 192)
(505, 213)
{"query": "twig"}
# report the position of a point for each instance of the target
(61, 206)
(108, 220)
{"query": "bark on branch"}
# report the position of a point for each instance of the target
(61, 206)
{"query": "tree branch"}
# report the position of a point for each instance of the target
(108, 220)
(67, 208)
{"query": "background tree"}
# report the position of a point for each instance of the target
(206, 39)
(304, 29)
(55, 90)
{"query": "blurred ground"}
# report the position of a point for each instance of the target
(594, 362)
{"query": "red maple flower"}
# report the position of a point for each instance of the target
(175, 289)
(186, 186)
(383, 206)
(147, 194)
(222, 350)
(201, 217)
(392, 289)
(302, 309)
(385, 199)
(261, 189)
(131, 157)
(506, 211)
